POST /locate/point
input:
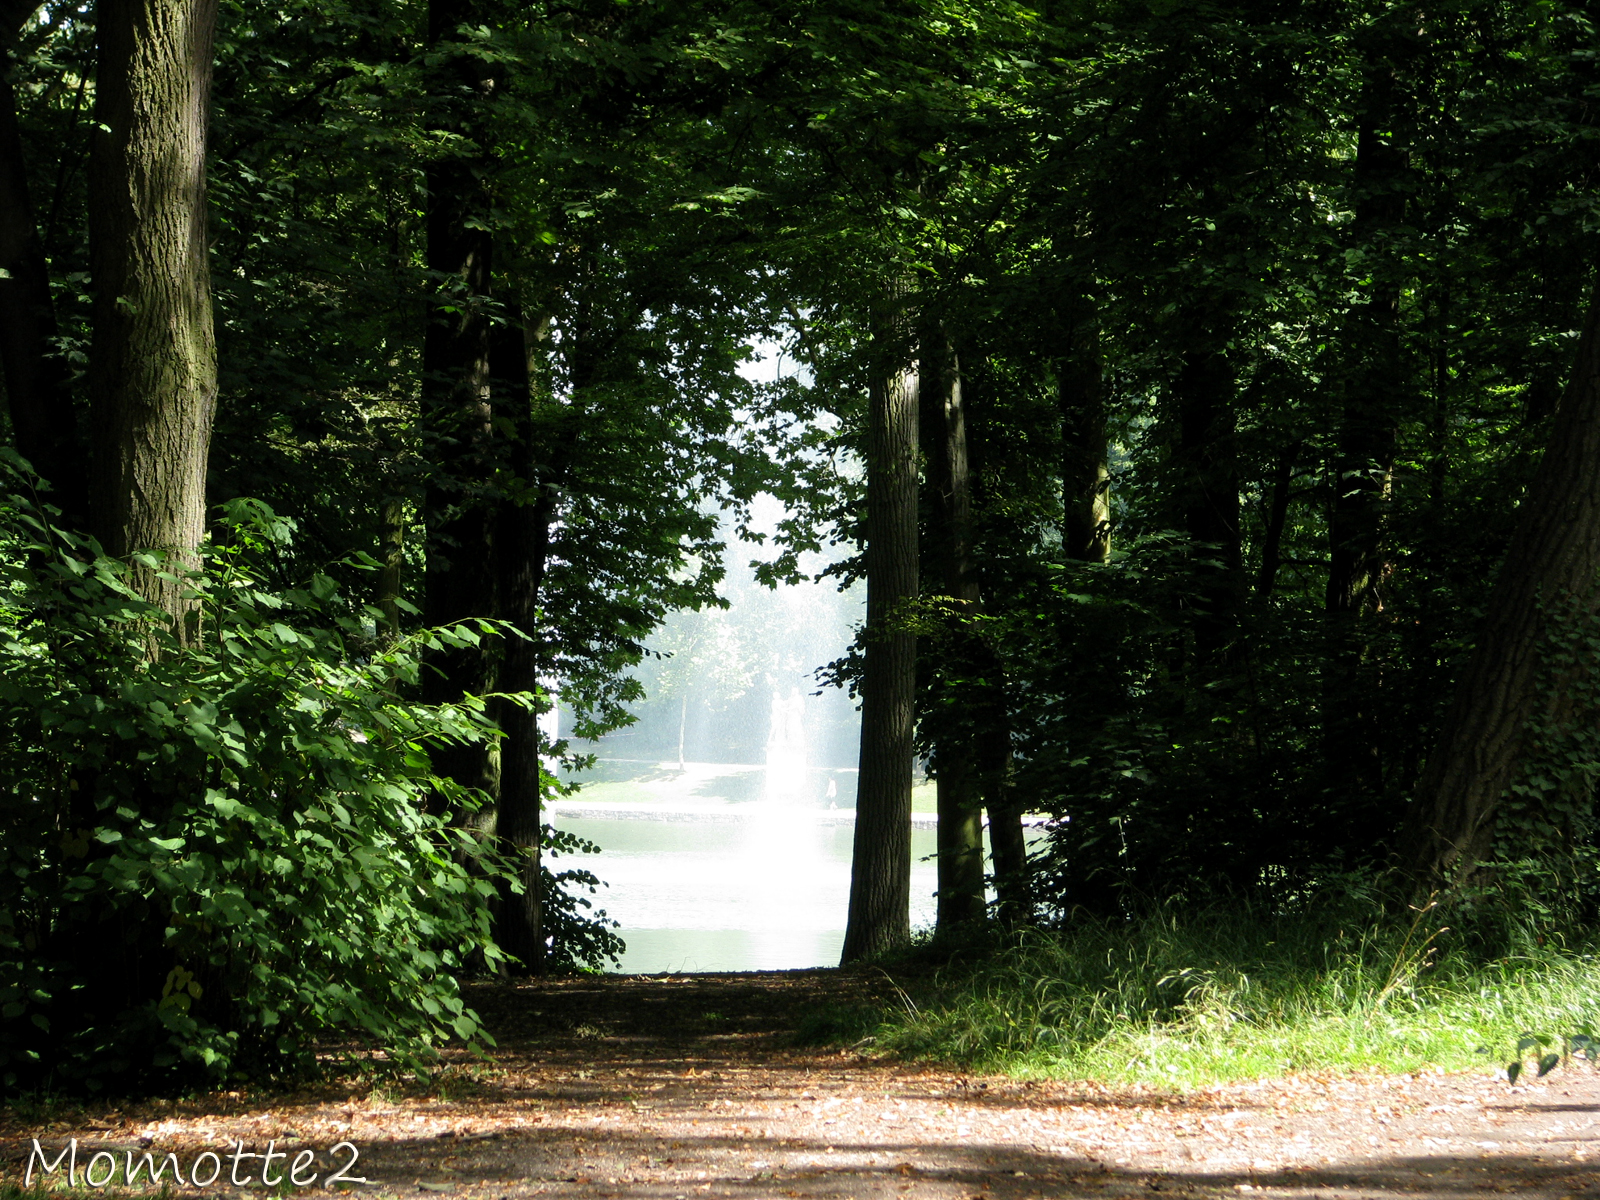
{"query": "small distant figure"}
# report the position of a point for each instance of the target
(833, 793)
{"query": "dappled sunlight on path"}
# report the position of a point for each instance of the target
(691, 1086)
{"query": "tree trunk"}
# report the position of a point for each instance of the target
(152, 381)
(153, 363)
(956, 780)
(1551, 566)
(542, 458)
(36, 376)
(520, 536)
(391, 580)
(1008, 843)
(1277, 517)
(1085, 479)
(880, 873)
(459, 576)
(1364, 457)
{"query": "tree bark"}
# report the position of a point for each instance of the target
(541, 458)
(1552, 565)
(1277, 517)
(37, 378)
(1085, 479)
(459, 575)
(959, 856)
(520, 536)
(880, 873)
(153, 363)
(391, 579)
(1008, 844)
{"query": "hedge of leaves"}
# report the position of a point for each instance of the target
(218, 850)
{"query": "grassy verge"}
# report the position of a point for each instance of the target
(1187, 1000)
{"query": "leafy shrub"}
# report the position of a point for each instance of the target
(217, 848)
(579, 935)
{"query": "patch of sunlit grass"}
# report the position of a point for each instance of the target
(1191, 999)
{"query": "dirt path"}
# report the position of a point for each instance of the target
(684, 1088)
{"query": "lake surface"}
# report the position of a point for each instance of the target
(759, 890)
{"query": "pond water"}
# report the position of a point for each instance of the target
(754, 887)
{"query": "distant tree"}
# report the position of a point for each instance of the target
(701, 655)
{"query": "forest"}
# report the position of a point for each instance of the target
(1206, 393)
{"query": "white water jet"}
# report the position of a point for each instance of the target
(788, 766)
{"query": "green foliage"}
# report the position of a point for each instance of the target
(1184, 998)
(1545, 871)
(1136, 196)
(1196, 713)
(1535, 1050)
(219, 840)
(579, 936)
(1543, 1061)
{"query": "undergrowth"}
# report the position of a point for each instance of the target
(1187, 999)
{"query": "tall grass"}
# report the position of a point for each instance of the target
(1190, 999)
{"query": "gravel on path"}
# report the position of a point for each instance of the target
(676, 1088)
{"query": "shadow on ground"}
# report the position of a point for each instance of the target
(680, 1087)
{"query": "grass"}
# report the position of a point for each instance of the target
(1186, 1000)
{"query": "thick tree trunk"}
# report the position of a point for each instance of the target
(1364, 458)
(960, 842)
(956, 778)
(522, 531)
(152, 381)
(1552, 566)
(153, 363)
(544, 445)
(1007, 841)
(36, 377)
(880, 878)
(460, 577)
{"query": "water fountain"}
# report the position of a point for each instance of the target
(741, 861)
(737, 884)
(788, 769)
